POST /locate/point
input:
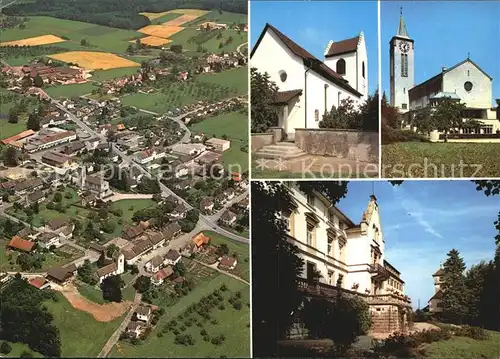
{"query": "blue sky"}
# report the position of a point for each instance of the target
(313, 24)
(422, 221)
(444, 32)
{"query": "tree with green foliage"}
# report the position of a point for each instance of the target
(455, 295)
(346, 116)
(85, 273)
(111, 288)
(264, 91)
(5, 348)
(33, 122)
(180, 268)
(142, 284)
(111, 250)
(10, 157)
(447, 115)
(13, 115)
(38, 81)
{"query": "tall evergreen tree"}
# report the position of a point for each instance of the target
(455, 295)
(263, 113)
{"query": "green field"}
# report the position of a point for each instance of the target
(100, 37)
(232, 323)
(236, 79)
(428, 160)
(130, 206)
(225, 18)
(465, 348)
(94, 294)
(69, 91)
(81, 335)
(235, 126)
(104, 75)
(8, 129)
(242, 249)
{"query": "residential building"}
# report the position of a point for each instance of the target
(28, 186)
(228, 218)
(47, 138)
(200, 240)
(191, 149)
(60, 226)
(171, 231)
(172, 257)
(157, 239)
(154, 265)
(341, 255)
(179, 212)
(57, 160)
(134, 328)
(146, 156)
(207, 204)
(61, 275)
(21, 244)
(39, 283)
(227, 263)
(218, 144)
(143, 313)
(159, 277)
(48, 239)
(35, 197)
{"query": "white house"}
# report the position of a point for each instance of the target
(159, 277)
(218, 144)
(148, 155)
(228, 218)
(134, 328)
(49, 239)
(143, 313)
(172, 257)
(308, 86)
(154, 265)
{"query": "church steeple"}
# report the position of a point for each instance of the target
(402, 26)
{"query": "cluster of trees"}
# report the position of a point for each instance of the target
(8, 228)
(472, 296)
(26, 320)
(86, 273)
(348, 117)
(30, 261)
(29, 51)
(116, 13)
(112, 288)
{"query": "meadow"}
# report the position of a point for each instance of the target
(427, 160)
(81, 335)
(69, 91)
(235, 126)
(233, 324)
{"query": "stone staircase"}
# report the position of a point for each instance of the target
(283, 150)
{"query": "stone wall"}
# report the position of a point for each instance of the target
(388, 319)
(350, 144)
(260, 140)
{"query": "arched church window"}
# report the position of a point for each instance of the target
(316, 115)
(363, 69)
(341, 67)
(283, 75)
(468, 86)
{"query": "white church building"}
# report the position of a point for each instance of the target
(339, 253)
(465, 82)
(308, 87)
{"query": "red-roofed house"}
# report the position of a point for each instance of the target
(21, 244)
(39, 282)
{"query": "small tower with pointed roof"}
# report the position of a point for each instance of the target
(401, 66)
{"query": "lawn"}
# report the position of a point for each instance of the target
(232, 323)
(104, 75)
(94, 294)
(241, 249)
(212, 45)
(8, 129)
(235, 126)
(428, 160)
(464, 347)
(81, 335)
(130, 206)
(225, 18)
(100, 37)
(236, 79)
(69, 91)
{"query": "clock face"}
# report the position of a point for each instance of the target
(404, 46)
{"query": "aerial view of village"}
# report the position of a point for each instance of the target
(124, 209)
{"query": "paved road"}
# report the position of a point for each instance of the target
(116, 335)
(122, 196)
(239, 48)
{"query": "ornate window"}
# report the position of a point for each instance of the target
(283, 75)
(341, 67)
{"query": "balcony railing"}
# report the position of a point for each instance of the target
(379, 272)
(324, 290)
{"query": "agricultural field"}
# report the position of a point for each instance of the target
(78, 329)
(9, 100)
(225, 18)
(162, 31)
(34, 41)
(236, 79)
(421, 160)
(153, 41)
(99, 37)
(232, 323)
(105, 75)
(235, 126)
(94, 60)
(69, 91)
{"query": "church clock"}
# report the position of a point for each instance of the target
(404, 46)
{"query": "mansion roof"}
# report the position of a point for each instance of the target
(308, 59)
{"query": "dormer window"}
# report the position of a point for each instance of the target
(341, 67)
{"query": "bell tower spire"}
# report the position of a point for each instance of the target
(402, 31)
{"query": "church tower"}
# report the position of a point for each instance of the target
(402, 50)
